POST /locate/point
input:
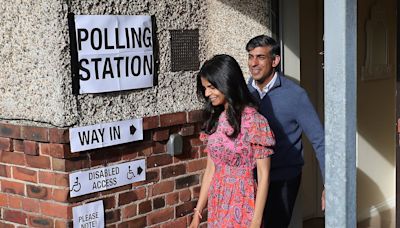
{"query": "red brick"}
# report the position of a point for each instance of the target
(109, 202)
(186, 131)
(187, 181)
(123, 188)
(185, 195)
(146, 151)
(5, 170)
(40, 162)
(15, 201)
(61, 151)
(31, 147)
(127, 156)
(135, 223)
(196, 142)
(57, 179)
(159, 160)
(14, 216)
(44, 148)
(60, 195)
(38, 192)
(196, 192)
(160, 216)
(151, 122)
(185, 209)
(63, 224)
(10, 131)
(6, 144)
(196, 165)
(129, 211)
(30, 205)
(12, 158)
(12, 187)
(159, 147)
(188, 152)
(71, 164)
(176, 223)
(162, 187)
(25, 174)
(202, 152)
(39, 221)
(195, 116)
(172, 171)
(152, 175)
(144, 207)
(172, 119)
(3, 200)
(158, 203)
(161, 135)
(112, 216)
(6, 225)
(172, 198)
(58, 135)
(38, 134)
(18, 145)
(56, 210)
(132, 196)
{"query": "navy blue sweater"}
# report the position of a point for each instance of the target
(289, 113)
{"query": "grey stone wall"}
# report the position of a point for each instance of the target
(35, 75)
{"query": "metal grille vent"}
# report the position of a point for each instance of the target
(184, 50)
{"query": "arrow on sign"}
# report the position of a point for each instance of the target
(139, 170)
(132, 129)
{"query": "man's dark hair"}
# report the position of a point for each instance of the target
(264, 41)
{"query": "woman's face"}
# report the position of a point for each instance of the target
(216, 97)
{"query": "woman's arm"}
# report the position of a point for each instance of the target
(263, 166)
(205, 185)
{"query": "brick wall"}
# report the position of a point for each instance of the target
(35, 163)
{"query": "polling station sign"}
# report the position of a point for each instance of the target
(90, 215)
(95, 180)
(105, 134)
(114, 52)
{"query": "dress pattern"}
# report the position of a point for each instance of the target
(232, 193)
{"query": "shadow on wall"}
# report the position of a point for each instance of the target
(375, 217)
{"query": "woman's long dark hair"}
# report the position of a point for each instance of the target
(224, 73)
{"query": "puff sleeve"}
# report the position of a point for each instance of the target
(260, 137)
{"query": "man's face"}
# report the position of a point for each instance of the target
(261, 64)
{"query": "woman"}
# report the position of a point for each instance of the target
(238, 140)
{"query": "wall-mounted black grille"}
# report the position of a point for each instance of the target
(184, 50)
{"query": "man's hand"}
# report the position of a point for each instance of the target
(323, 200)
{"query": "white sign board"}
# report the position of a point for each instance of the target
(106, 134)
(114, 52)
(95, 180)
(89, 215)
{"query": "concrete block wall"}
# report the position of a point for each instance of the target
(35, 163)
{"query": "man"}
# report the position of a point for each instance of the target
(290, 113)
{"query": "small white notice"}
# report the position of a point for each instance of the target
(105, 178)
(107, 134)
(115, 52)
(89, 215)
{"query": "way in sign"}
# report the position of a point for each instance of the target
(97, 135)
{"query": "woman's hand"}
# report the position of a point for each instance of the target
(195, 221)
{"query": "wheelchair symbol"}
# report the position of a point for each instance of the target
(77, 186)
(130, 174)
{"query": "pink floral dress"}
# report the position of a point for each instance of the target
(231, 197)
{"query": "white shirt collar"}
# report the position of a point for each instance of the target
(266, 88)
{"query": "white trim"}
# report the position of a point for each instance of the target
(376, 209)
